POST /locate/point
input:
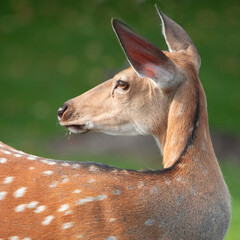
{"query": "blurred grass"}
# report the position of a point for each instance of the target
(51, 51)
(231, 174)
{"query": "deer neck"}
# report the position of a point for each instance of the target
(187, 134)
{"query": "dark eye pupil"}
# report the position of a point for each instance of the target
(123, 85)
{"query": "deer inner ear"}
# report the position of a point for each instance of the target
(147, 60)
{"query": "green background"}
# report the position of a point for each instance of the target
(51, 51)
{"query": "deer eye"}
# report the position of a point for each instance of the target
(122, 85)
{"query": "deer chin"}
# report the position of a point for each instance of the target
(81, 128)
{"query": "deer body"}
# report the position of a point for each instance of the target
(66, 200)
(160, 94)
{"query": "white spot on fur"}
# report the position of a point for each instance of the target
(63, 208)
(18, 155)
(77, 191)
(149, 222)
(117, 192)
(85, 200)
(2, 195)
(93, 168)
(167, 181)
(20, 208)
(32, 204)
(48, 172)
(125, 171)
(3, 160)
(204, 148)
(180, 179)
(154, 190)
(31, 168)
(6, 152)
(31, 158)
(193, 191)
(47, 220)
(112, 219)
(20, 192)
(101, 197)
(79, 236)
(53, 184)
(67, 225)
(65, 164)
(91, 180)
(141, 184)
(179, 199)
(162, 224)
(14, 238)
(181, 110)
(8, 180)
(40, 209)
(27, 238)
(205, 134)
(90, 199)
(115, 171)
(204, 171)
(76, 166)
(50, 163)
(195, 159)
(111, 238)
(68, 212)
(64, 180)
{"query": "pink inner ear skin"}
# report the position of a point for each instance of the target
(149, 72)
(142, 54)
(140, 61)
(139, 49)
(147, 60)
(143, 57)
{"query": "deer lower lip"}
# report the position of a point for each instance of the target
(77, 128)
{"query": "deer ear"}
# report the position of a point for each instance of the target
(147, 60)
(177, 39)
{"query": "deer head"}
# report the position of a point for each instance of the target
(136, 100)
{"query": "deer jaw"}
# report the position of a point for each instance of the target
(140, 110)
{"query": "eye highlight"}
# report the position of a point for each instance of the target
(122, 85)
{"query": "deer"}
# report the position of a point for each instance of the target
(159, 94)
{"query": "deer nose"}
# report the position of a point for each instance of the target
(61, 110)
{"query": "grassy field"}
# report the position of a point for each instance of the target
(51, 51)
(231, 174)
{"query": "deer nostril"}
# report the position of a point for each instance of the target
(61, 111)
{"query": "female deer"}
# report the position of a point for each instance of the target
(159, 95)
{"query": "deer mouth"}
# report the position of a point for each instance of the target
(81, 128)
